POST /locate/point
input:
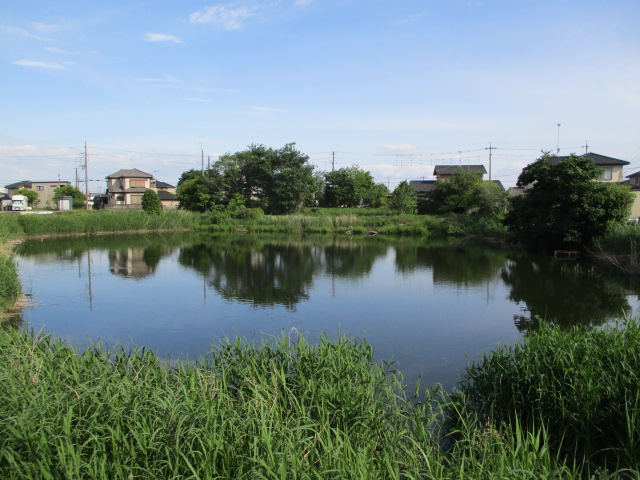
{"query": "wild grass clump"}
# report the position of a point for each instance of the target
(105, 221)
(283, 409)
(9, 280)
(620, 239)
(580, 386)
(9, 227)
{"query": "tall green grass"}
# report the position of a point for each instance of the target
(105, 221)
(282, 409)
(9, 280)
(582, 386)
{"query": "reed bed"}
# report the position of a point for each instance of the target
(282, 409)
(581, 386)
(105, 221)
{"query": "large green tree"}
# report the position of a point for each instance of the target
(465, 192)
(564, 207)
(76, 194)
(350, 187)
(199, 191)
(404, 199)
(276, 180)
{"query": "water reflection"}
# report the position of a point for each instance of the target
(267, 271)
(564, 292)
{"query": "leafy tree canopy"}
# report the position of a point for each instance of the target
(465, 192)
(564, 207)
(404, 199)
(200, 192)
(351, 187)
(69, 191)
(32, 196)
(151, 202)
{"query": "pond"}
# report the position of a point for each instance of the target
(432, 306)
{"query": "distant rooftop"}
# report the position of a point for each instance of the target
(600, 160)
(453, 169)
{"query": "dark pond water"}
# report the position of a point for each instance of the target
(431, 306)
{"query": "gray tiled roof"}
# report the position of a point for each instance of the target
(421, 186)
(600, 160)
(133, 173)
(453, 169)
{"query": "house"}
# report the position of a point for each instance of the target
(445, 172)
(634, 183)
(45, 191)
(125, 189)
(610, 168)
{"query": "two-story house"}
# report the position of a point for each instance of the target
(44, 189)
(444, 173)
(610, 168)
(125, 189)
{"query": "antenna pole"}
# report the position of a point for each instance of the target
(490, 148)
(86, 177)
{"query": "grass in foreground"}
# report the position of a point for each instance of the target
(280, 410)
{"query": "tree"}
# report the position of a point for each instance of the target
(32, 196)
(151, 202)
(200, 192)
(404, 198)
(564, 207)
(79, 199)
(465, 192)
(349, 187)
(275, 180)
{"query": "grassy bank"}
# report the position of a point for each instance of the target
(284, 409)
(9, 281)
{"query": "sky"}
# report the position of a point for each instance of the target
(392, 86)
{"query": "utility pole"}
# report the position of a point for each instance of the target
(86, 177)
(586, 146)
(202, 159)
(490, 148)
(333, 161)
(558, 144)
(77, 181)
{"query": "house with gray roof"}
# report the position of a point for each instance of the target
(126, 187)
(610, 168)
(444, 172)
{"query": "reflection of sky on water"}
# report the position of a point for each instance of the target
(431, 327)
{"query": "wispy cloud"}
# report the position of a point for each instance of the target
(303, 2)
(45, 27)
(6, 30)
(229, 17)
(414, 18)
(162, 37)
(46, 65)
(260, 111)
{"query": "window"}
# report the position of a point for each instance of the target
(40, 188)
(137, 183)
(120, 198)
(136, 199)
(606, 174)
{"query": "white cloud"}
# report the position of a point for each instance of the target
(37, 64)
(45, 27)
(260, 111)
(303, 2)
(21, 32)
(229, 17)
(162, 37)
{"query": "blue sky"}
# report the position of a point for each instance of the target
(394, 86)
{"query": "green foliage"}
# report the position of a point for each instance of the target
(352, 187)
(283, 409)
(581, 385)
(78, 197)
(404, 199)
(199, 193)
(564, 207)
(276, 180)
(9, 280)
(32, 196)
(465, 192)
(151, 203)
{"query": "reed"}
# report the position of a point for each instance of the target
(581, 385)
(105, 221)
(282, 409)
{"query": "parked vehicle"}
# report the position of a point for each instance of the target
(20, 203)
